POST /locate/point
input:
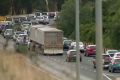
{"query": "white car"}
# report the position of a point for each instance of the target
(81, 46)
(8, 33)
(111, 52)
(22, 39)
(15, 35)
(117, 55)
(46, 20)
(40, 19)
(26, 25)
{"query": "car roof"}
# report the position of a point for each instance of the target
(9, 29)
(104, 54)
(112, 50)
(22, 34)
(91, 45)
(72, 50)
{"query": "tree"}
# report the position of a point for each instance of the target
(66, 21)
(4, 7)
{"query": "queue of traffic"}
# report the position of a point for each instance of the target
(111, 57)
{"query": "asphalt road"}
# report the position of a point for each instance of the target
(58, 65)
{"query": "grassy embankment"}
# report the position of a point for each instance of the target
(16, 67)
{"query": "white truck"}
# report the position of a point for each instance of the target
(46, 40)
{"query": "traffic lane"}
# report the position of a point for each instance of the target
(87, 75)
(88, 61)
(85, 72)
(86, 64)
(72, 65)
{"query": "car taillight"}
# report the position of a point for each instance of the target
(114, 63)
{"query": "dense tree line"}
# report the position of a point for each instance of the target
(111, 21)
(28, 6)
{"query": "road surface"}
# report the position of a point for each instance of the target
(66, 70)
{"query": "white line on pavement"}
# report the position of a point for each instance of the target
(107, 77)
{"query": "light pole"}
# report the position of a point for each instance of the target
(77, 41)
(99, 42)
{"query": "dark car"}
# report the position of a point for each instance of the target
(66, 44)
(90, 50)
(114, 65)
(106, 60)
(71, 56)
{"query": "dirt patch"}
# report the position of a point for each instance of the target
(16, 67)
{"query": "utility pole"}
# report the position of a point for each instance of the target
(77, 41)
(99, 42)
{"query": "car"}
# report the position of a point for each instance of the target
(66, 44)
(111, 52)
(71, 56)
(22, 39)
(81, 46)
(116, 55)
(40, 19)
(46, 20)
(106, 60)
(26, 25)
(90, 50)
(8, 33)
(15, 35)
(114, 65)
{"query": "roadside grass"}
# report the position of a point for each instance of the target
(15, 66)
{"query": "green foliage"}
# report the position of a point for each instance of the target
(111, 21)
(4, 7)
(66, 21)
(22, 49)
(28, 6)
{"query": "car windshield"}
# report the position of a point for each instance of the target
(67, 42)
(111, 55)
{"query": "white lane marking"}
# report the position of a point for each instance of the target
(107, 77)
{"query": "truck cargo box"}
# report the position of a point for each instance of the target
(50, 38)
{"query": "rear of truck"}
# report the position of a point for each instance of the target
(46, 40)
(53, 42)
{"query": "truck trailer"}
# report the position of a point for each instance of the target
(46, 40)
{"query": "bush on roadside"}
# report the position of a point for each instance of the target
(22, 48)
